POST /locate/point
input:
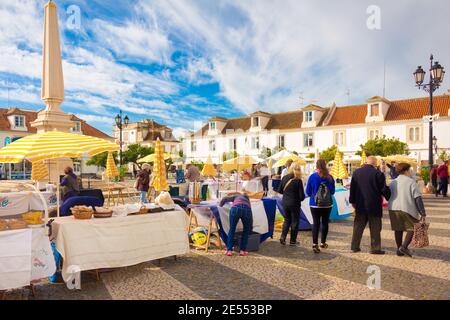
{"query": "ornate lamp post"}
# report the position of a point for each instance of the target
(435, 146)
(120, 122)
(436, 77)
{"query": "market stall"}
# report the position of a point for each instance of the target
(263, 217)
(13, 203)
(119, 241)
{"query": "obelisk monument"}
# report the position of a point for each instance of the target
(52, 91)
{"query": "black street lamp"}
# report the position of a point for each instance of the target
(120, 122)
(436, 77)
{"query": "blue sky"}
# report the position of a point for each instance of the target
(181, 61)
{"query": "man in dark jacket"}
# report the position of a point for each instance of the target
(367, 188)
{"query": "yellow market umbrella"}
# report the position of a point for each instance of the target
(283, 161)
(338, 171)
(54, 144)
(159, 169)
(208, 169)
(363, 158)
(111, 168)
(269, 166)
(152, 157)
(39, 171)
(240, 163)
(400, 158)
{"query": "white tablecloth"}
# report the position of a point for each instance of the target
(13, 203)
(119, 241)
(25, 255)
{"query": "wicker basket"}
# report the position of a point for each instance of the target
(101, 212)
(82, 213)
(143, 210)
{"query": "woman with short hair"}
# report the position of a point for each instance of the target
(291, 188)
(405, 207)
(143, 182)
(320, 183)
(70, 185)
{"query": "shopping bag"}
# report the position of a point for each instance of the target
(420, 238)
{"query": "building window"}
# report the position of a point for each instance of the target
(339, 138)
(255, 143)
(193, 146)
(308, 140)
(374, 110)
(212, 125)
(255, 122)
(374, 133)
(414, 134)
(212, 145)
(77, 167)
(281, 141)
(233, 144)
(168, 135)
(308, 116)
(19, 121)
(77, 127)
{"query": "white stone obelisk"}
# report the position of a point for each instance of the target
(52, 92)
(52, 118)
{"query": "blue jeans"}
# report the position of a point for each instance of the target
(143, 196)
(244, 213)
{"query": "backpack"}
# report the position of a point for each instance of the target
(323, 196)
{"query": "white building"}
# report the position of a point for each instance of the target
(15, 124)
(315, 128)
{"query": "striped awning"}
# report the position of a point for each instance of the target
(54, 144)
(39, 171)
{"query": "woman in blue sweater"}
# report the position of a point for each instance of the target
(320, 179)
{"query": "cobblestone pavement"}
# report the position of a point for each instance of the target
(282, 272)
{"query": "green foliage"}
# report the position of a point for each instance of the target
(294, 152)
(328, 154)
(425, 174)
(198, 164)
(443, 156)
(265, 153)
(384, 147)
(136, 152)
(311, 155)
(123, 170)
(181, 153)
(99, 160)
(229, 155)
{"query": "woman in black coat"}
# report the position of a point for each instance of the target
(291, 188)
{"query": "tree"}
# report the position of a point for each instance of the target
(99, 160)
(329, 154)
(384, 147)
(277, 149)
(136, 152)
(311, 155)
(443, 156)
(230, 155)
(198, 164)
(265, 153)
